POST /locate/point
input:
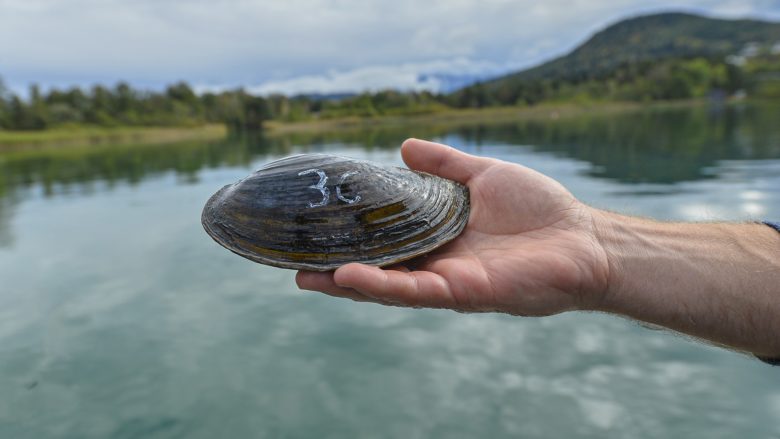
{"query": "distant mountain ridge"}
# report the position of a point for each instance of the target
(648, 38)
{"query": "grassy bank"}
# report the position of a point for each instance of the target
(84, 135)
(472, 116)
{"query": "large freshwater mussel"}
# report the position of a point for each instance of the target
(320, 211)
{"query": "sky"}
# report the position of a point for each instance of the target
(306, 46)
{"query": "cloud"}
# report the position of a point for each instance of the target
(436, 76)
(296, 44)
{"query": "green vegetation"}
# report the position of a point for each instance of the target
(655, 57)
(89, 135)
(639, 82)
(659, 57)
(122, 105)
(653, 38)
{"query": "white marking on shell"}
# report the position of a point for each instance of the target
(338, 188)
(320, 186)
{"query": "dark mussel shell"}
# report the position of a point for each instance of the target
(320, 211)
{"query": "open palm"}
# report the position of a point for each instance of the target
(529, 247)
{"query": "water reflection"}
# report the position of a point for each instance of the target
(658, 146)
(6, 211)
(653, 146)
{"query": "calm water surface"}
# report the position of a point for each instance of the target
(120, 318)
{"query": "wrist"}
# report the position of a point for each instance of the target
(650, 262)
(717, 282)
(611, 234)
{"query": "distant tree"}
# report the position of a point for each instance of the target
(18, 114)
(255, 112)
(38, 117)
(278, 106)
(125, 104)
(101, 108)
(183, 104)
(181, 92)
(4, 105)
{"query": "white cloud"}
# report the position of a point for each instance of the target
(433, 76)
(265, 43)
(735, 8)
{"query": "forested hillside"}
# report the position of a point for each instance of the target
(654, 57)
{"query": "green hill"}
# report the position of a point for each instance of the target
(651, 38)
(653, 57)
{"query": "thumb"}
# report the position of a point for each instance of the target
(442, 160)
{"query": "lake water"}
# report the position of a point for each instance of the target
(121, 318)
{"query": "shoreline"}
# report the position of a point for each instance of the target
(85, 136)
(465, 117)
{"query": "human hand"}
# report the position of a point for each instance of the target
(530, 247)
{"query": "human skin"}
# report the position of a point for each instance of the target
(531, 248)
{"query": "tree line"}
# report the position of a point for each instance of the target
(122, 105)
(179, 105)
(671, 79)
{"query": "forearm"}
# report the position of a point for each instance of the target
(719, 282)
